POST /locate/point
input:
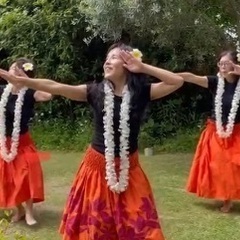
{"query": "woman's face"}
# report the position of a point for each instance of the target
(12, 69)
(113, 66)
(224, 65)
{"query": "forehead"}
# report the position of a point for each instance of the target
(115, 51)
(225, 58)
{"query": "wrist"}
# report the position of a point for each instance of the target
(145, 68)
(26, 81)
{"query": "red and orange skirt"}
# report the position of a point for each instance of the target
(21, 179)
(215, 172)
(95, 212)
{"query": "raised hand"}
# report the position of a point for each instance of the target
(236, 69)
(10, 77)
(132, 63)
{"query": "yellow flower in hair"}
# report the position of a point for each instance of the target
(27, 67)
(238, 57)
(137, 53)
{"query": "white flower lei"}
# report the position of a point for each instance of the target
(218, 109)
(10, 155)
(111, 176)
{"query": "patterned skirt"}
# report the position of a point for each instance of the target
(93, 212)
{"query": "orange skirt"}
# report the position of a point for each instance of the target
(95, 212)
(21, 179)
(215, 171)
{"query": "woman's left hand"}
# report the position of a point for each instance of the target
(7, 76)
(132, 63)
(10, 78)
(236, 69)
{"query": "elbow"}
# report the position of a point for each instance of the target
(49, 97)
(179, 81)
(175, 80)
(46, 97)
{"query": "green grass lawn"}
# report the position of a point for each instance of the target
(183, 216)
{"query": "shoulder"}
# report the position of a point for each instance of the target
(212, 78)
(142, 95)
(146, 91)
(212, 82)
(94, 91)
(2, 86)
(94, 86)
(30, 95)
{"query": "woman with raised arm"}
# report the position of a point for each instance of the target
(111, 197)
(215, 172)
(21, 178)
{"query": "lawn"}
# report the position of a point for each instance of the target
(183, 216)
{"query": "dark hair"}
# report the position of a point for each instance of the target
(231, 54)
(21, 61)
(135, 81)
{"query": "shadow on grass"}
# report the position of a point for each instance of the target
(48, 217)
(215, 206)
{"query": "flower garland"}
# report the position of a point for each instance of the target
(218, 109)
(10, 155)
(114, 184)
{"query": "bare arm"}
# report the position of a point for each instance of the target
(170, 81)
(192, 78)
(77, 93)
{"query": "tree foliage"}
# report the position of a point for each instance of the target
(68, 40)
(189, 32)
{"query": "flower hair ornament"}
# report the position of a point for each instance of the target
(27, 67)
(137, 54)
(238, 56)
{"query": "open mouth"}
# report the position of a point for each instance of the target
(107, 69)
